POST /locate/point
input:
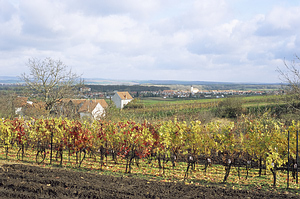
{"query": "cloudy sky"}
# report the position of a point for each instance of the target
(194, 40)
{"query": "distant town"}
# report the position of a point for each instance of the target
(166, 92)
(99, 88)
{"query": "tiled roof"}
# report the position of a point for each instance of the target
(102, 102)
(20, 101)
(89, 105)
(124, 95)
(64, 100)
(78, 101)
(37, 105)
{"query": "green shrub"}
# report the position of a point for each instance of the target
(229, 108)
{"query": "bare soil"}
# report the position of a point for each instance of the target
(27, 181)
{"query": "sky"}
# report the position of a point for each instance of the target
(190, 40)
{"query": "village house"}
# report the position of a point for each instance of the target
(84, 108)
(68, 107)
(73, 108)
(24, 107)
(94, 109)
(19, 104)
(121, 99)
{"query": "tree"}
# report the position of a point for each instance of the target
(50, 80)
(290, 77)
(229, 108)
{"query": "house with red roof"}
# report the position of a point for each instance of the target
(121, 99)
(94, 109)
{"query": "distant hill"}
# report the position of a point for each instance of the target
(101, 81)
(171, 82)
(176, 84)
(9, 80)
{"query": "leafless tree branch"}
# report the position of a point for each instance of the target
(50, 80)
(290, 77)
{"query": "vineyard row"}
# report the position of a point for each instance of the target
(247, 141)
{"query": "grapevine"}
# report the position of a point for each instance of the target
(247, 142)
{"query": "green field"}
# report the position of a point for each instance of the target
(247, 101)
(159, 100)
(158, 108)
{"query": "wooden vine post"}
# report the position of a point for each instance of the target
(51, 144)
(288, 165)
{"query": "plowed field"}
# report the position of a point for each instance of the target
(25, 181)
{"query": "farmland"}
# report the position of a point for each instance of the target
(157, 108)
(28, 181)
(187, 142)
(247, 101)
(244, 155)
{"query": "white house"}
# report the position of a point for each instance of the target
(20, 103)
(121, 99)
(94, 109)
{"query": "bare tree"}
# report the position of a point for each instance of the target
(50, 80)
(290, 77)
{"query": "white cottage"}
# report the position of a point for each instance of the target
(94, 109)
(121, 99)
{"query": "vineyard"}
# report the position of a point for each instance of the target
(155, 108)
(163, 111)
(263, 143)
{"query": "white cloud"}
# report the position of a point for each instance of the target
(184, 40)
(283, 18)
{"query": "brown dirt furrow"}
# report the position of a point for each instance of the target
(25, 181)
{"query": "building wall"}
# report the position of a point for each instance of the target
(117, 100)
(98, 112)
(124, 102)
(85, 114)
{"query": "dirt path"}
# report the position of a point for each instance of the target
(25, 181)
